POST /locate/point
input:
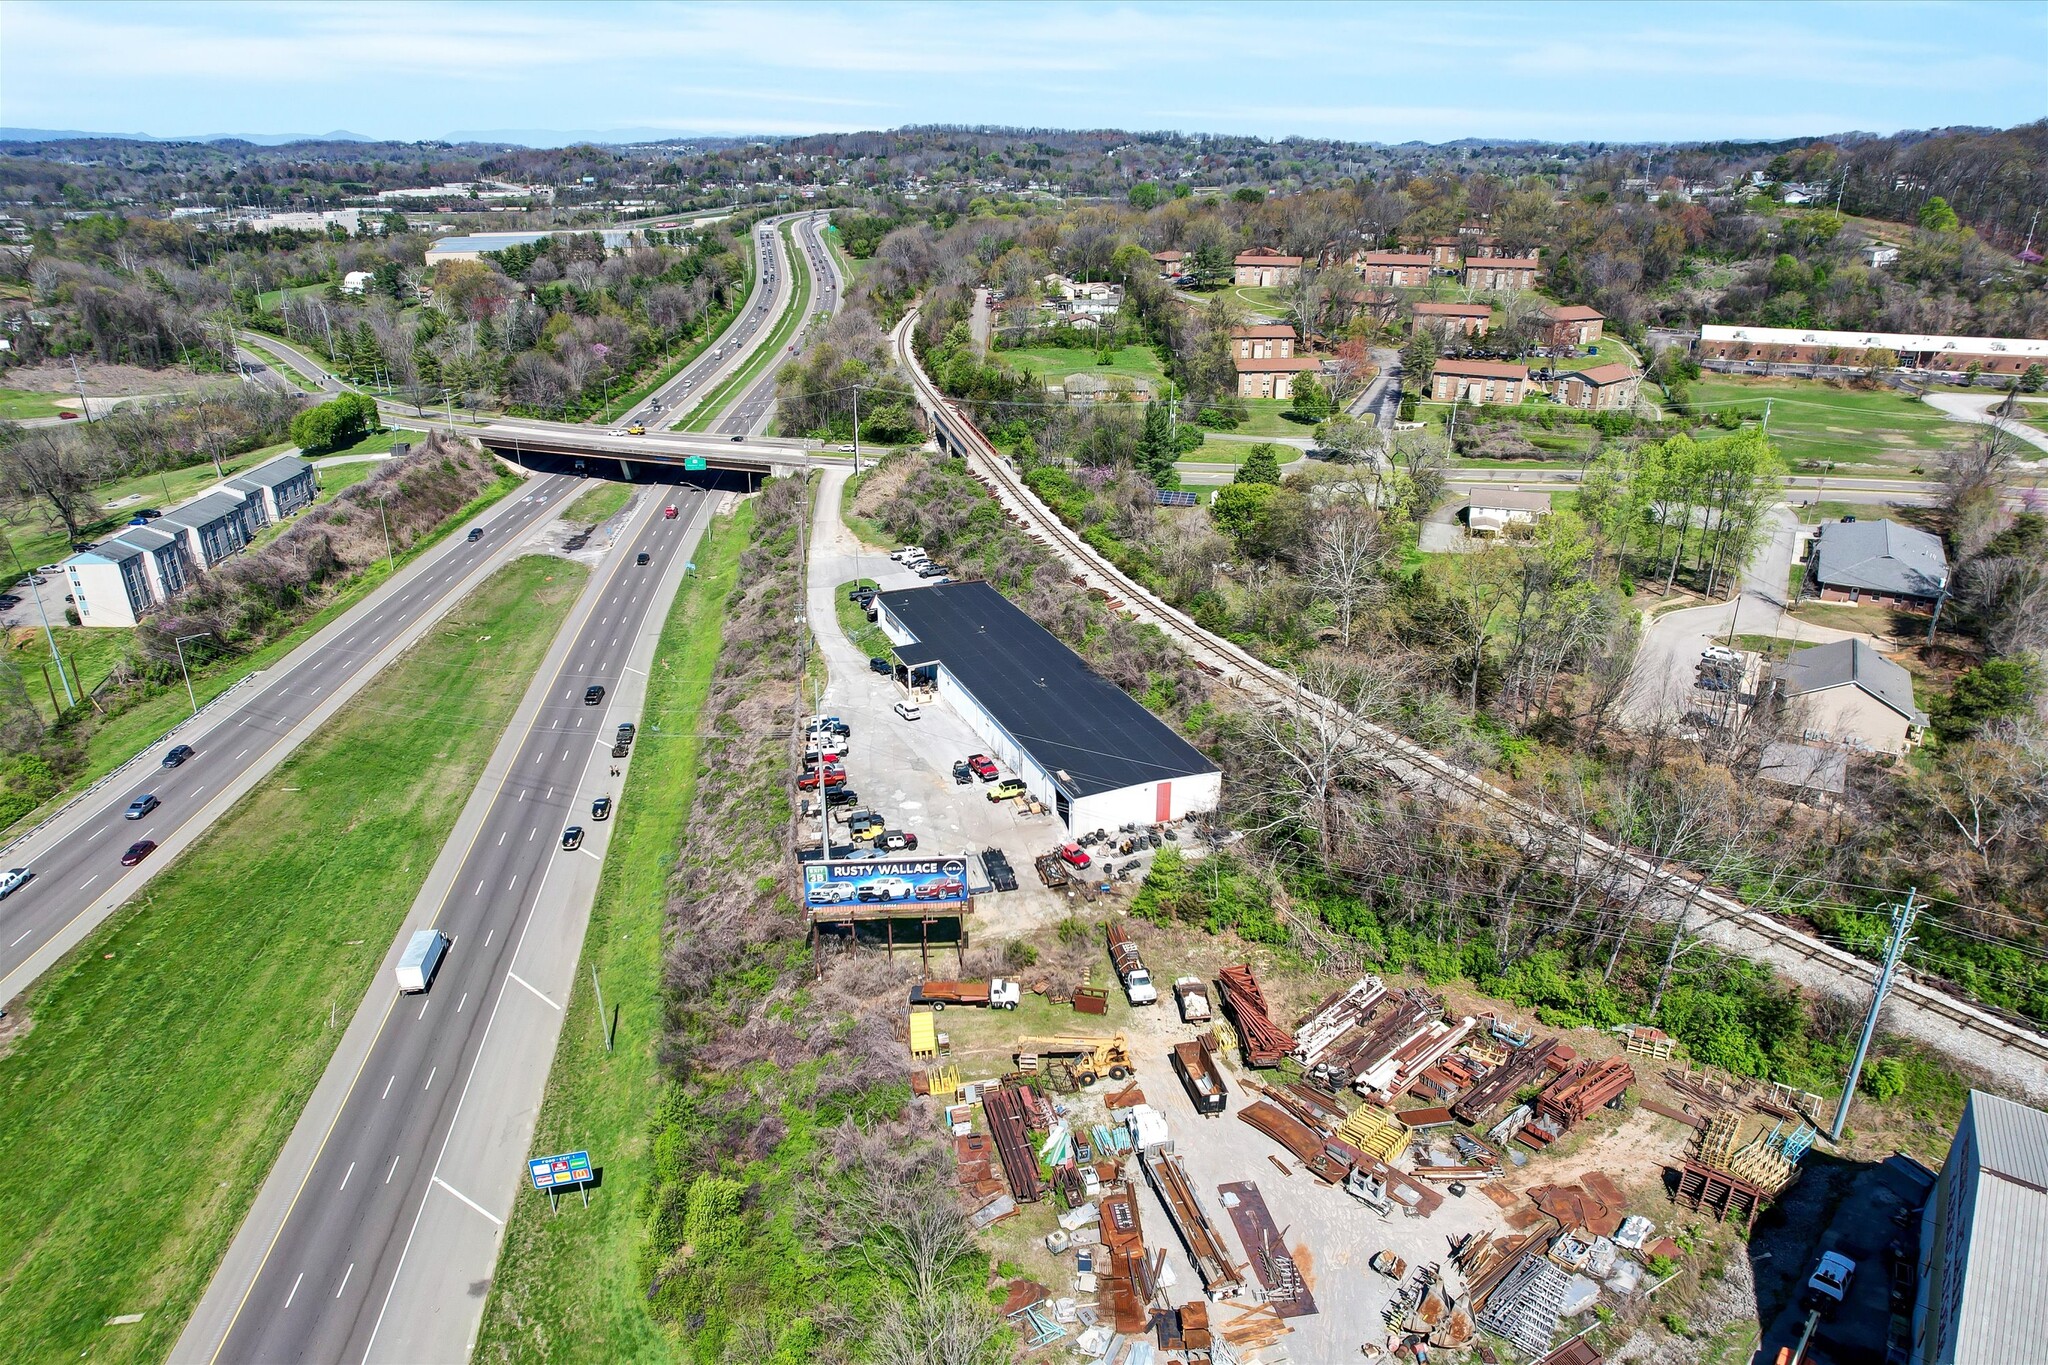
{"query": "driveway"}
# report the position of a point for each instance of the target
(1661, 684)
(1976, 408)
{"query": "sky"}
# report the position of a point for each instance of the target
(1366, 71)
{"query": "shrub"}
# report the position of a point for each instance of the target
(1884, 1079)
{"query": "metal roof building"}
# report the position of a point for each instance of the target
(1080, 743)
(1982, 1296)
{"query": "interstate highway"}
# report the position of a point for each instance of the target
(381, 1219)
(239, 737)
(748, 414)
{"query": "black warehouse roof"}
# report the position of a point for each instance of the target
(1069, 718)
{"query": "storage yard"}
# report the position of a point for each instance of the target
(1357, 1178)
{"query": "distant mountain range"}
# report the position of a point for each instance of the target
(517, 137)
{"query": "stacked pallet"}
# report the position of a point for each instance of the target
(1375, 1132)
(1265, 1042)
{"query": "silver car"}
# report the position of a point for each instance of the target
(13, 880)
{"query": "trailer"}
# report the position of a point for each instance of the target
(1205, 1245)
(421, 960)
(1000, 993)
(1191, 993)
(1200, 1077)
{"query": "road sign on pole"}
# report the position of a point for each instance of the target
(551, 1173)
(693, 461)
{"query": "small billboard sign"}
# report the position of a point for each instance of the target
(552, 1172)
(857, 883)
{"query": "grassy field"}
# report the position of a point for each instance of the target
(598, 505)
(89, 655)
(1606, 351)
(1051, 364)
(771, 351)
(867, 637)
(19, 405)
(1814, 513)
(567, 1287)
(170, 1054)
(1269, 417)
(1270, 302)
(865, 531)
(1858, 430)
(118, 738)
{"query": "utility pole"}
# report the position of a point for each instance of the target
(856, 431)
(1902, 927)
(44, 612)
(189, 694)
(385, 518)
(1767, 417)
(79, 376)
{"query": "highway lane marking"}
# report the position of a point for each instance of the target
(423, 1009)
(345, 1175)
(295, 1289)
(89, 881)
(535, 989)
(98, 832)
(431, 1073)
(501, 839)
(514, 882)
(387, 1086)
(460, 1003)
(467, 1200)
(479, 887)
(393, 1171)
(488, 937)
(238, 757)
(24, 934)
(530, 833)
(344, 1278)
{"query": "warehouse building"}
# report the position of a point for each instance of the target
(1981, 1294)
(1080, 743)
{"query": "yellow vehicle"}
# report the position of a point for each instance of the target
(636, 430)
(1007, 788)
(1090, 1058)
(865, 827)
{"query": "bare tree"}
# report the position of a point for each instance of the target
(1346, 566)
(48, 469)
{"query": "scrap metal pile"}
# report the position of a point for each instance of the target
(1572, 1096)
(1265, 1043)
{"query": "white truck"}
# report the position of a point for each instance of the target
(1130, 968)
(1828, 1287)
(421, 959)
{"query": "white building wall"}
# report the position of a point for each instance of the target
(101, 593)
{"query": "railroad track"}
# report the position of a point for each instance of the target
(1410, 762)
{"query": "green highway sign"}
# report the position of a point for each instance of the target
(693, 461)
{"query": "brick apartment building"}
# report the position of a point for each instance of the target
(1500, 273)
(1266, 361)
(1396, 269)
(1265, 268)
(1575, 325)
(1468, 319)
(1478, 381)
(1807, 346)
(1599, 389)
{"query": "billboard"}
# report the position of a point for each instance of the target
(570, 1168)
(886, 883)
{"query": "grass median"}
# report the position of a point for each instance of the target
(567, 1286)
(166, 1059)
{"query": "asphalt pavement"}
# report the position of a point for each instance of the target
(239, 738)
(376, 1234)
(749, 414)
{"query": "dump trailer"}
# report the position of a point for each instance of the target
(1091, 1058)
(1200, 1077)
(1204, 1245)
(999, 994)
(1130, 968)
(1192, 994)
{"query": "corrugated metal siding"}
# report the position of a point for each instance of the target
(2012, 1139)
(2005, 1295)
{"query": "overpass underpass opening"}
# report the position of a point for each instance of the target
(635, 469)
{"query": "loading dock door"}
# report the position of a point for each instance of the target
(1064, 806)
(1163, 811)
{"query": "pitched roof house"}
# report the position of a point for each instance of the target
(1877, 561)
(1849, 694)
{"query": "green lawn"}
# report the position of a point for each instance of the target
(567, 1287)
(115, 739)
(1860, 431)
(171, 1053)
(1817, 512)
(866, 532)
(1272, 302)
(267, 301)
(1606, 351)
(1270, 417)
(1052, 364)
(597, 505)
(867, 637)
(771, 352)
(19, 405)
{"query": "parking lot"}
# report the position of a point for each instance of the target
(903, 769)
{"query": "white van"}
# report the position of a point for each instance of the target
(422, 959)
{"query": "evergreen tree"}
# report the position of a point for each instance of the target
(1261, 466)
(1155, 448)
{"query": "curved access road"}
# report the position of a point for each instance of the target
(239, 737)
